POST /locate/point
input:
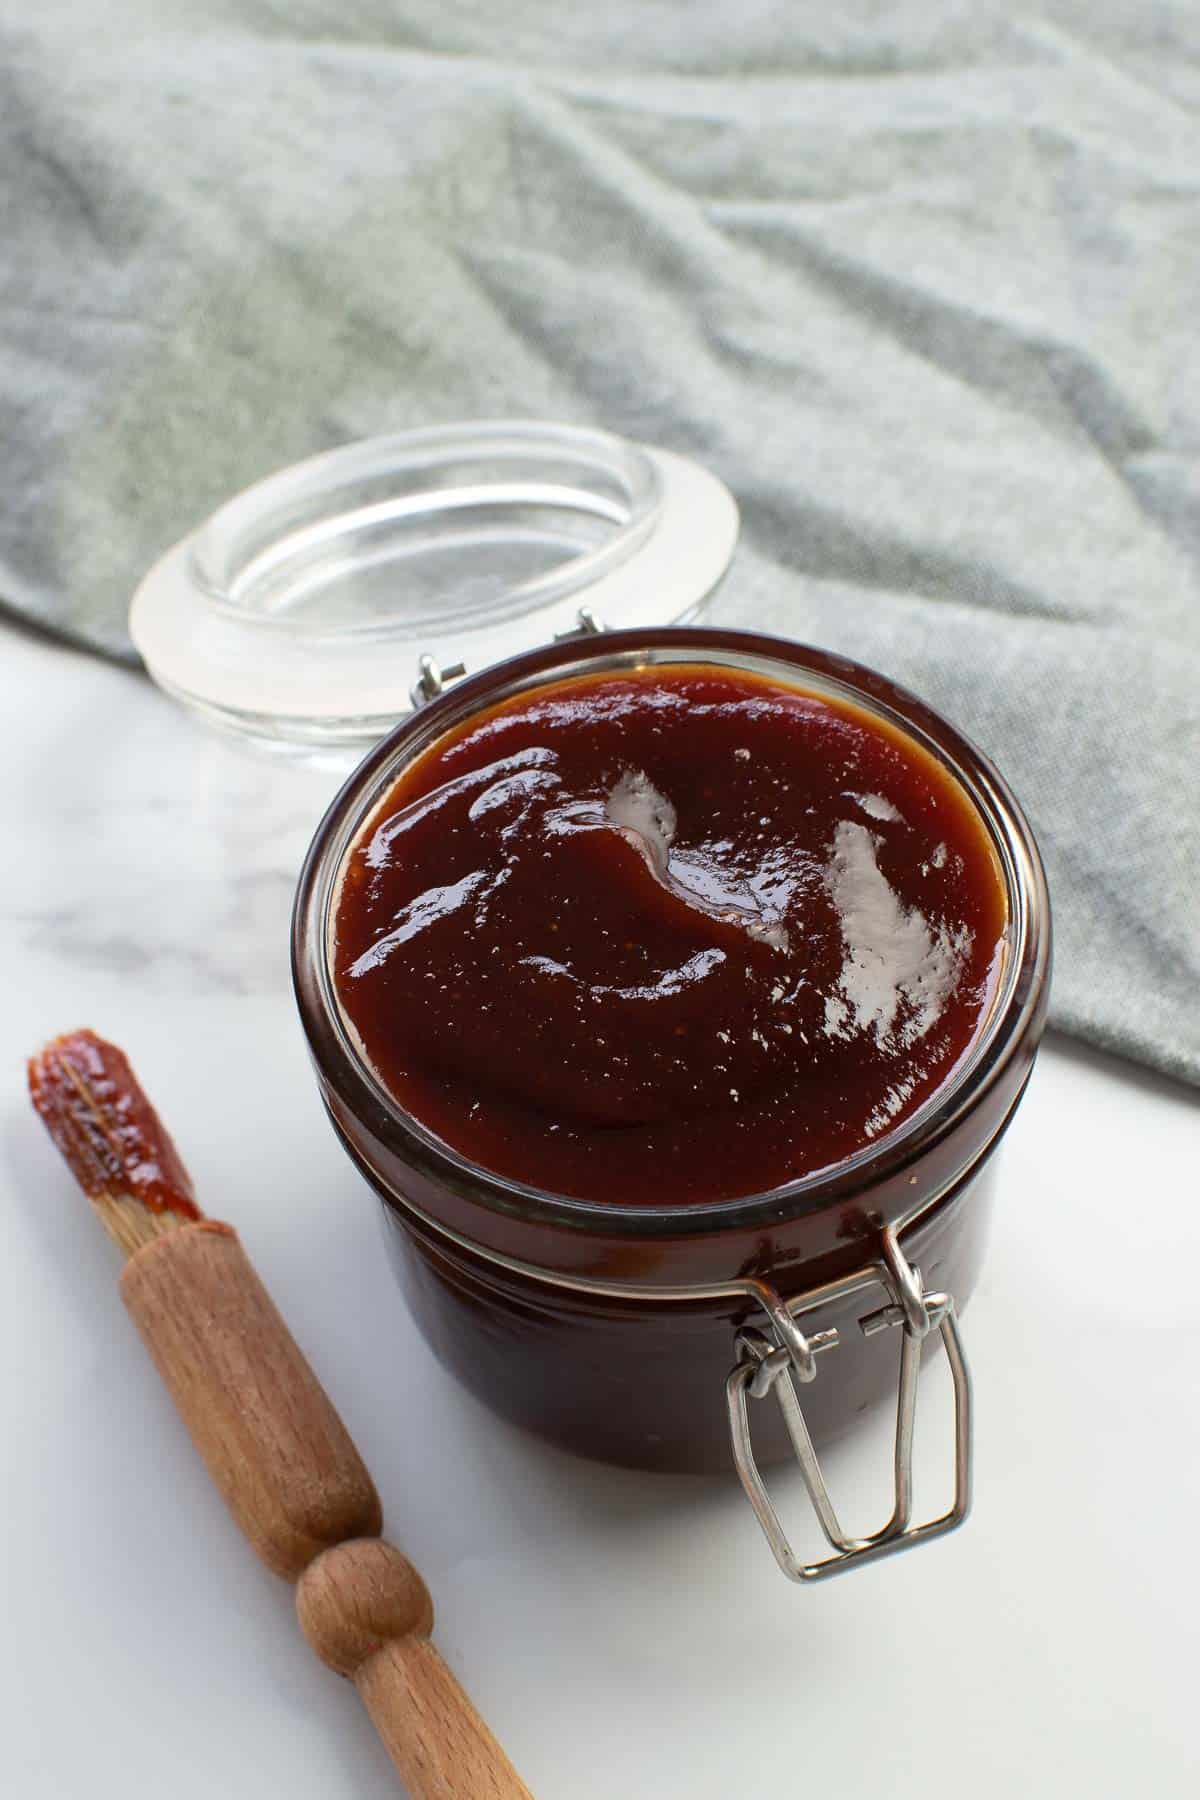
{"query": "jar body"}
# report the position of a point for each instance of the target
(611, 1329)
(641, 1383)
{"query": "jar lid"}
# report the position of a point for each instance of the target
(319, 606)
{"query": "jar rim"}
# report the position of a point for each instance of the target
(1016, 1009)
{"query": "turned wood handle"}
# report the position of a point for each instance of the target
(259, 1417)
(299, 1490)
(367, 1613)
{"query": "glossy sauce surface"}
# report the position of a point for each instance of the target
(668, 936)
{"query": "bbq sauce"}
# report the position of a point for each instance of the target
(668, 936)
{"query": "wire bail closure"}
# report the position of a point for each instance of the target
(776, 1360)
(432, 677)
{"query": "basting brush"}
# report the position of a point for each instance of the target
(267, 1431)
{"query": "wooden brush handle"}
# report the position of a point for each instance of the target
(299, 1490)
(259, 1417)
(367, 1613)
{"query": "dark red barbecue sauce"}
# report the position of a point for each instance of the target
(668, 936)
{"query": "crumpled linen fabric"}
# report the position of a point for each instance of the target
(919, 281)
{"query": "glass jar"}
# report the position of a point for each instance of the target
(646, 1336)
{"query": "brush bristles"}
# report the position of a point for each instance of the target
(131, 1225)
(116, 1145)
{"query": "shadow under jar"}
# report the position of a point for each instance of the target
(644, 1333)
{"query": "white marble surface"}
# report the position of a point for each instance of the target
(626, 1635)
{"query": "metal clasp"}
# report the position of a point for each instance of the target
(431, 680)
(776, 1360)
(588, 623)
(432, 677)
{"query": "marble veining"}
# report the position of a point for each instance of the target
(142, 844)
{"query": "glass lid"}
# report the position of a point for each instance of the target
(318, 606)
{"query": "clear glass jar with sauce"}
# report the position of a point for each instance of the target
(642, 1334)
(316, 610)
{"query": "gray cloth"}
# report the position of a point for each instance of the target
(920, 281)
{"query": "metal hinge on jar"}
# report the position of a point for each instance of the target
(432, 678)
(774, 1360)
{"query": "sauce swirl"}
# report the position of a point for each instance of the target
(670, 935)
